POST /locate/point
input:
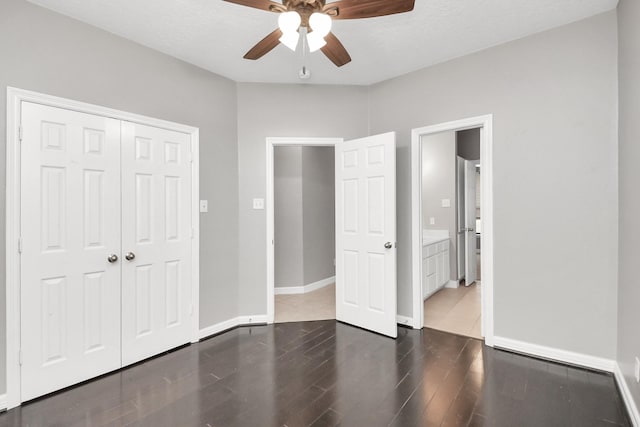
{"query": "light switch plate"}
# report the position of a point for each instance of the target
(258, 204)
(204, 206)
(446, 203)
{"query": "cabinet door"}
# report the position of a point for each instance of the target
(439, 268)
(447, 267)
(432, 283)
(425, 275)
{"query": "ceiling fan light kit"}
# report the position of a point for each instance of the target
(316, 18)
(289, 22)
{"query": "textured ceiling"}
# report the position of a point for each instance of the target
(214, 34)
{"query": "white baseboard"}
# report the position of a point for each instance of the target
(3, 402)
(404, 320)
(232, 323)
(290, 290)
(452, 284)
(259, 319)
(631, 405)
(556, 354)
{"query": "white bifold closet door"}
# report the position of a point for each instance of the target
(106, 245)
(156, 230)
(70, 225)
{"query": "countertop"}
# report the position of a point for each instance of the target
(426, 241)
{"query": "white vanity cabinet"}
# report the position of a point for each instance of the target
(436, 272)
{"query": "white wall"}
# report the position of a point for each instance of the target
(288, 217)
(439, 182)
(319, 213)
(46, 52)
(304, 190)
(629, 235)
(554, 100)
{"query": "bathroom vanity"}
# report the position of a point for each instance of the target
(436, 271)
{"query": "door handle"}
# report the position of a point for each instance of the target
(112, 258)
(388, 245)
(130, 256)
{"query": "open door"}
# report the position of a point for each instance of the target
(366, 233)
(470, 222)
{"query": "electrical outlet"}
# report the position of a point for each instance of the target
(204, 206)
(637, 370)
(432, 221)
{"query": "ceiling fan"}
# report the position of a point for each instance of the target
(315, 17)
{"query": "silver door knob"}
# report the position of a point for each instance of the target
(388, 245)
(112, 258)
(130, 256)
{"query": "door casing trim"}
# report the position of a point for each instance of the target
(15, 97)
(485, 123)
(273, 142)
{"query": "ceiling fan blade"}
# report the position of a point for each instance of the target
(260, 4)
(265, 45)
(335, 51)
(356, 9)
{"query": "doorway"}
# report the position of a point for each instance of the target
(365, 224)
(304, 244)
(451, 244)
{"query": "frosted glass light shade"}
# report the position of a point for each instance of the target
(320, 23)
(315, 41)
(290, 40)
(289, 22)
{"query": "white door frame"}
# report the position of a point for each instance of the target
(12, 278)
(272, 142)
(486, 252)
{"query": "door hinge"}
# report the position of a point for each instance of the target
(20, 133)
(20, 357)
(19, 245)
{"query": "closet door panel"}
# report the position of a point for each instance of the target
(70, 226)
(156, 241)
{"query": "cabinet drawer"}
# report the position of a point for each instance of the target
(443, 246)
(427, 251)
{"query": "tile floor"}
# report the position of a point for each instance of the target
(316, 305)
(455, 310)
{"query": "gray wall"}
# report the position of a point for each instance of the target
(319, 213)
(468, 142)
(53, 54)
(288, 213)
(439, 182)
(304, 208)
(629, 290)
(282, 110)
(553, 97)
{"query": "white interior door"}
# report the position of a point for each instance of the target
(366, 233)
(70, 225)
(470, 222)
(156, 241)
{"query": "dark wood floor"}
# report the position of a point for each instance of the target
(328, 374)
